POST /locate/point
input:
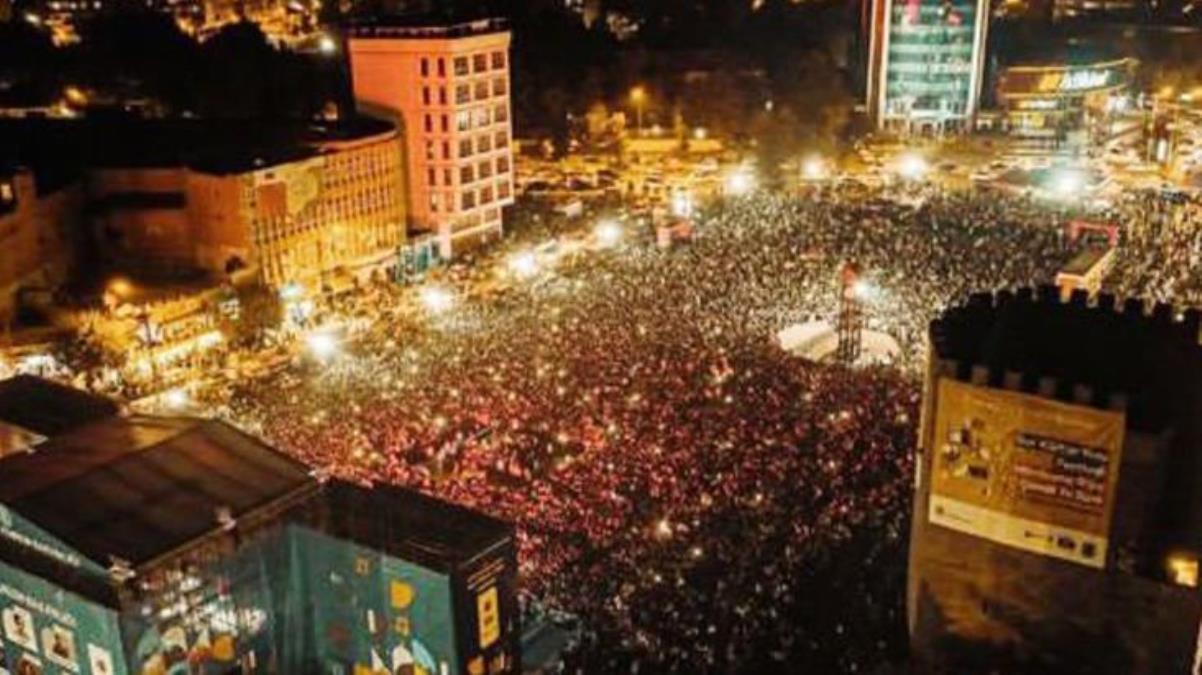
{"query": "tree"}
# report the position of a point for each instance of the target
(260, 310)
(140, 47)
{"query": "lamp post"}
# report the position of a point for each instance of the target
(638, 97)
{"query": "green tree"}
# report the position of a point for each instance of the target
(260, 310)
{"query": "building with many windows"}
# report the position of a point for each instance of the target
(925, 64)
(448, 85)
(302, 215)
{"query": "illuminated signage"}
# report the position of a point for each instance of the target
(1074, 80)
(1037, 104)
(1085, 79)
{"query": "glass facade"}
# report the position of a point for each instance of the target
(931, 59)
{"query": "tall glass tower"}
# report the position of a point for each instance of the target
(926, 60)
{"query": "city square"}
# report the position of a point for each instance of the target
(493, 337)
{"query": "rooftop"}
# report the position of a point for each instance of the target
(1077, 350)
(413, 526)
(426, 26)
(58, 149)
(150, 485)
(47, 408)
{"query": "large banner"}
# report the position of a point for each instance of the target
(1027, 472)
(375, 614)
(45, 630)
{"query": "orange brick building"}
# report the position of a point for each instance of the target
(448, 87)
(296, 214)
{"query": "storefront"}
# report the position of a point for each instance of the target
(1067, 108)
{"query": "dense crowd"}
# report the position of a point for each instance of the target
(702, 500)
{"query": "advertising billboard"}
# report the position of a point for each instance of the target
(927, 59)
(207, 615)
(48, 631)
(375, 614)
(487, 614)
(1023, 471)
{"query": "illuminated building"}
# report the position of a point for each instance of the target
(302, 215)
(1065, 106)
(1076, 9)
(1057, 510)
(203, 550)
(449, 87)
(926, 60)
(36, 245)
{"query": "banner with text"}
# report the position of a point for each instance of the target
(1027, 472)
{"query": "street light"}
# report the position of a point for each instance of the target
(682, 204)
(1067, 183)
(740, 183)
(912, 166)
(176, 399)
(813, 168)
(638, 96)
(436, 299)
(524, 264)
(324, 346)
(608, 232)
(327, 45)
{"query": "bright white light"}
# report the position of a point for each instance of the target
(524, 264)
(1067, 183)
(327, 45)
(291, 291)
(176, 399)
(682, 204)
(322, 345)
(699, 133)
(608, 232)
(437, 300)
(663, 528)
(912, 166)
(740, 183)
(813, 169)
(864, 290)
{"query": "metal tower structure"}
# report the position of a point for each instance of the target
(849, 325)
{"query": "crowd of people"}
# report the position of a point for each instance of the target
(701, 499)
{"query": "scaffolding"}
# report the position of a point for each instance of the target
(850, 322)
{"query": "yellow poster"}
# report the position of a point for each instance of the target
(489, 614)
(1024, 471)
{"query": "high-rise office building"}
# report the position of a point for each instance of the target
(449, 86)
(925, 63)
